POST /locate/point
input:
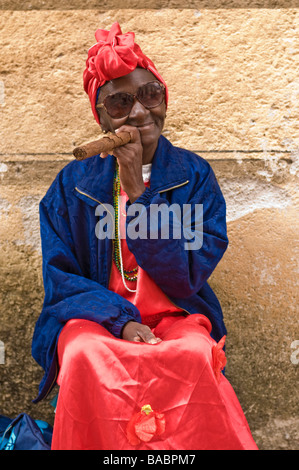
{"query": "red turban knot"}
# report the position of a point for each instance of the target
(114, 55)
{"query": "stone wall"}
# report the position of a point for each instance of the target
(232, 75)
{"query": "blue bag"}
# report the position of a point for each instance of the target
(24, 433)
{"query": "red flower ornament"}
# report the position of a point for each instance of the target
(219, 359)
(144, 425)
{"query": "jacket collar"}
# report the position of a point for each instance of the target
(168, 171)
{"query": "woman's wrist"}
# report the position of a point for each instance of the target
(136, 193)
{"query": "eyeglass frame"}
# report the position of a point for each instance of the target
(102, 105)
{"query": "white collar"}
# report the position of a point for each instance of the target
(146, 172)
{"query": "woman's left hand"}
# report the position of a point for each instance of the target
(134, 331)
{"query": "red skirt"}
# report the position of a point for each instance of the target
(120, 395)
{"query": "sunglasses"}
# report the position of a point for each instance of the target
(119, 105)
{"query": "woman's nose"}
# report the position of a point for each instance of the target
(138, 111)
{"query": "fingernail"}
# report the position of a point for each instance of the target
(154, 340)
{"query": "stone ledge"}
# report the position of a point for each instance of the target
(211, 155)
(150, 4)
(242, 166)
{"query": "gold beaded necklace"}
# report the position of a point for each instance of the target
(117, 255)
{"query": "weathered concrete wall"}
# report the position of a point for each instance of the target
(233, 80)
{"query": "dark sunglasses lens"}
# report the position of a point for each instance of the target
(119, 105)
(150, 95)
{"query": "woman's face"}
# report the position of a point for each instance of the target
(149, 122)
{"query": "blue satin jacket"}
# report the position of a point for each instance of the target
(77, 263)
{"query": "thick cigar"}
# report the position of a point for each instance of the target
(105, 144)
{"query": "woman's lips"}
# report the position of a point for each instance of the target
(145, 126)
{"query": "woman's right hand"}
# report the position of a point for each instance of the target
(138, 333)
(129, 158)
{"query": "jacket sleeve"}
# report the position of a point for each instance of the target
(177, 264)
(69, 293)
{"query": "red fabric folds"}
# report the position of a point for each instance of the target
(113, 56)
(105, 383)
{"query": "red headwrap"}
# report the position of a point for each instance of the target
(113, 56)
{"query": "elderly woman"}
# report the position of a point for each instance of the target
(130, 329)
